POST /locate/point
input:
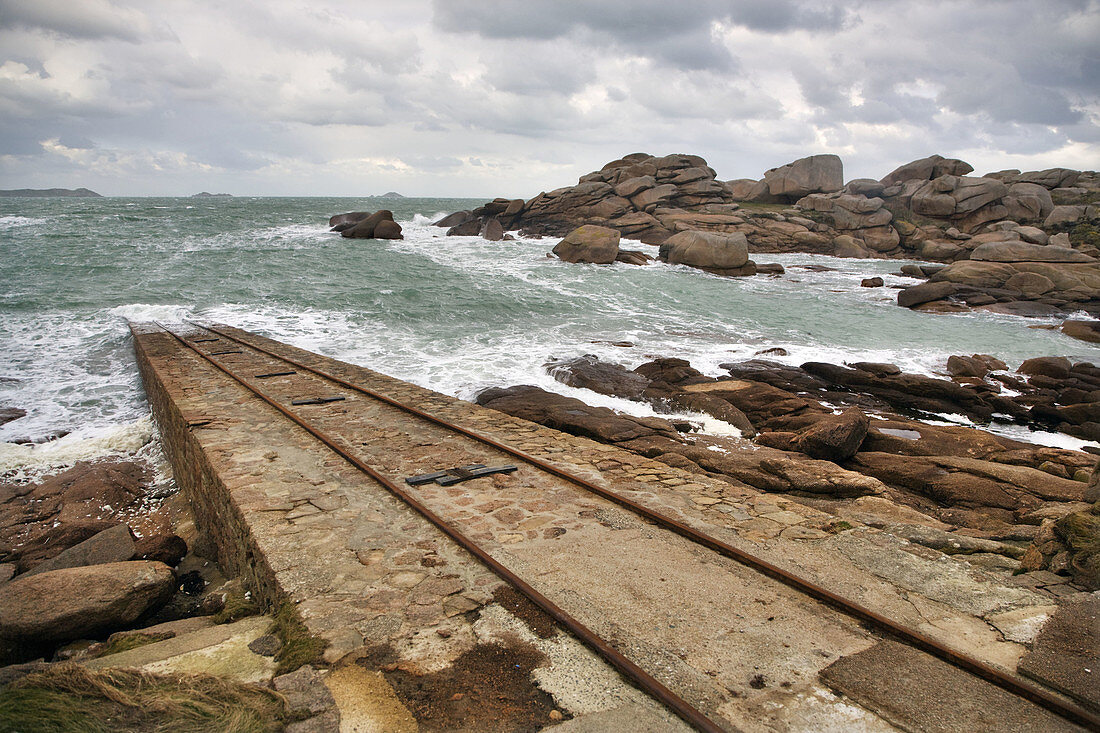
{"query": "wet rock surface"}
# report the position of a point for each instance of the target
(40, 520)
(827, 430)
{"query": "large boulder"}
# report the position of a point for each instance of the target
(373, 227)
(344, 221)
(589, 243)
(970, 201)
(925, 293)
(925, 169)
(706, 250)
(1028, 202)
(1050, 178)
(588, 372)
(74, 603)
(814, 174)
(573, 416)
(741, 188)
(111, 545)
(1069, 214)
(1082, 330)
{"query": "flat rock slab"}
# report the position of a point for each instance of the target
(918, 692)
(1066, 654)
(221, 649)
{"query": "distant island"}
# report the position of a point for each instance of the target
(391, 195)
(208, 195)
(50, 192)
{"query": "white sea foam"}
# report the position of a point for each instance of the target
(25, 462)
(11, 221)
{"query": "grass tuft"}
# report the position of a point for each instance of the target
(299, 646)
(70, 698)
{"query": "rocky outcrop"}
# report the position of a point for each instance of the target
(589, 243)
(865, 219)
(1013, 277)
(379, 225)
(994, 487)
(763, 468)
(790, 182)
(723, 254)
(642, 196)
(927, 209)
(73, 603)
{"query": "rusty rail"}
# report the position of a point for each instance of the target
(1003, 679)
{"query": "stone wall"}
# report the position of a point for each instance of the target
(216, 513)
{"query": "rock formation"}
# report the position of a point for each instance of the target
(790, 182)
(1032, 239)
(366, 225)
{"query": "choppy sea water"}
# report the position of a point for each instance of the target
(455, 314)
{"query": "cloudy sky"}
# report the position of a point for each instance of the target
(491, 97)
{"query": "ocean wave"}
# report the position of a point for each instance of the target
(12, 221)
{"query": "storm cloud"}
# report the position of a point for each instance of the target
(484, 98)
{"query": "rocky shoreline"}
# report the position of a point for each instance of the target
(854, 441)
(91, 553)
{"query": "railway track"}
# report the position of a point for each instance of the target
(268, 375)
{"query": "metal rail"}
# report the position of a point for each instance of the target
(688, 713)
(1005, 680)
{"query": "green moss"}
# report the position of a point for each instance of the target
(299, 646)
(69, 697)
(837, 526)
(238, 605)
(1080, 532)
(125, 642)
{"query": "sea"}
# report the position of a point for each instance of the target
(454, 314)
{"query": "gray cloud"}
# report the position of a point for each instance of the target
(89, 19)
(510, 98)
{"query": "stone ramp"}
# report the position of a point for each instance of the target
(378, 582)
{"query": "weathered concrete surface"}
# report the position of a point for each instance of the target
(921, 693)
(365, 571)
